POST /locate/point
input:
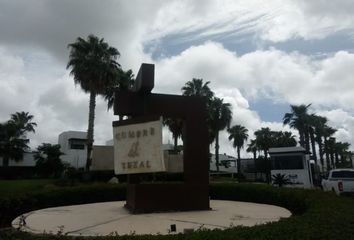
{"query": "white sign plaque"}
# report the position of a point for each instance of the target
(138, 148)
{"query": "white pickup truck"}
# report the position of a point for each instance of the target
(340, 181)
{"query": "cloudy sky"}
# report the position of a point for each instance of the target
(260, 56)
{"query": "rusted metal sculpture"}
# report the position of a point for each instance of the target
(140, 103)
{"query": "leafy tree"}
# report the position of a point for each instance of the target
(94, 67)
(48, 162)
(220, 116)
(239, 135)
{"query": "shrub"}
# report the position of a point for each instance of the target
(316, 215)
(280, 180)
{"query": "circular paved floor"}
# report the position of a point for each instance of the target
(111, 218)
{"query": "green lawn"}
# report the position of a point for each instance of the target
(19, 187)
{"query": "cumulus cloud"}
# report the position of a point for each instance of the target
(127, 25)
(281, 76)
(343, 121)
(289, 77)
(52, 25)
(275, 21)
(57, 105)
(35, 34)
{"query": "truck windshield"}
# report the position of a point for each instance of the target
(343, 174)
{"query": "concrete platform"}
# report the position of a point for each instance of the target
(111, 218)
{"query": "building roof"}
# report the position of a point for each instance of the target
(287, 150)
(73, 134)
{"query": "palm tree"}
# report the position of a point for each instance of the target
(23, 122)
(350, 156)
(239, 136)
(313, 121)
(196, 87)
(48, 162)
(252, 147)
(280, 179)
(175, 125)
(220, 116)
(331, 149)
(344, 151)
(341, 149)
(283, 139)
(124, 81)
(299, 119)
(327, 133)
(319, 124)
(12, 143)
(94, 67)
(264, 142)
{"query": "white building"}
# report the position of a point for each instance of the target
(74, 146)
(26, 161)
(227, 164)
(294, 163)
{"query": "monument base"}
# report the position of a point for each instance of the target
(148, 198)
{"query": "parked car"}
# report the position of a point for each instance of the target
(340, 181)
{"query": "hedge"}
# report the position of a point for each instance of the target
(11, 207)
(316, 215)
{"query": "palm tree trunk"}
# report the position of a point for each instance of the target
(175, 138)
(254, 160)
(217, 151)
(267, 165)
(336, 157)
(327, 154)
(302, 139)
(307, 141)
(90, 128)
(343, 158)
(332, 159)
(313, 146)
(320, 150)
(238, 161)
